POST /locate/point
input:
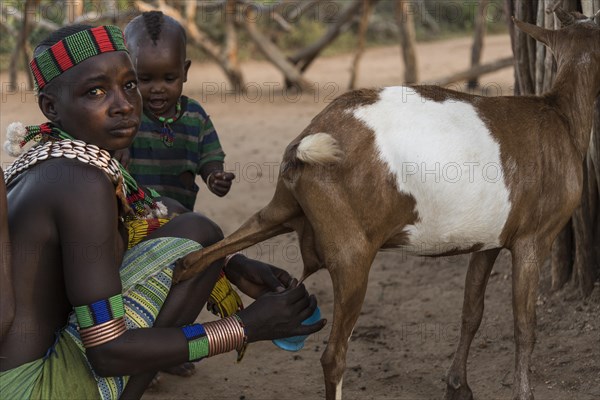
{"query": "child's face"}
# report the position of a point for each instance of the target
(97, 101)
(161, 72)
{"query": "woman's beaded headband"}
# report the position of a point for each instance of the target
(73, 50)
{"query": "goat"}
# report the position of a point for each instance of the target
(348, 185)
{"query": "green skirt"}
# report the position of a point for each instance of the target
(65, 373)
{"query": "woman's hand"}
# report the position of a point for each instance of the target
(255, 278)
(280, 315)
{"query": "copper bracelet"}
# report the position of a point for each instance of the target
(224, 335)
(103, 333)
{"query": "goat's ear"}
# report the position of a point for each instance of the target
(545, 36)
(564, 17)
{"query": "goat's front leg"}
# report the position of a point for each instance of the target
(480, 266)
(527, 257)
(349, 275)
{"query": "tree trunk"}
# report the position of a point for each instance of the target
(523, 10)
(306, 56)
(75, 10)
(360, 45)
(292, 75)
(406, 26)
(21, 46)
(199, 37)
(476, 71)
(428, 20)
(478, 36)
(230, 56)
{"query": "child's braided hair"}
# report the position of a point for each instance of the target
(153, 24)
(153, 21)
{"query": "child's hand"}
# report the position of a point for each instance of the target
(219, 182)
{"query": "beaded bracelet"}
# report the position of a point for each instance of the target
(215, 337)
(101, 321)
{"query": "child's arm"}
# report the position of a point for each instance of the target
(210, 166)
(217, 180)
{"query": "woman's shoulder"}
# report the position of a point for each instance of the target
(62, 179)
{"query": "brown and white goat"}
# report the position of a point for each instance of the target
(436, 172)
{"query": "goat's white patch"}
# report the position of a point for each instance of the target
(338, 390)
(444, 155)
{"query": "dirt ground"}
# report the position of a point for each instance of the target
(405, 338)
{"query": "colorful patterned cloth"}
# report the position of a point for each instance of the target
(158, 163)
(64, 373)
(138, 229)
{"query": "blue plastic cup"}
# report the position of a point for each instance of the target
(296, 343)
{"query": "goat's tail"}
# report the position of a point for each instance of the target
(317, 149)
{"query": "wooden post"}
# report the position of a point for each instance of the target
(273, 54)
(476, 71)
(21, 46)
(230, 49)
(360, 42)
(75, 10)
(197, 36)
(478, 36)
(304, 57)
(408, 38)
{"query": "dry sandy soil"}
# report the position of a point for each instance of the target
(406, 335)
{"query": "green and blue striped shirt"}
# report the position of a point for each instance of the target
(156, 165)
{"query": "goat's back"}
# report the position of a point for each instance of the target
(437, 152)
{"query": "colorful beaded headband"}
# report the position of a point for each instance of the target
(73, 50)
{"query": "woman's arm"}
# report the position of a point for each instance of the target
(7, 296)
(87, 221)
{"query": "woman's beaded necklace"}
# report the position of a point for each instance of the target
(142, 202)
(167, 133)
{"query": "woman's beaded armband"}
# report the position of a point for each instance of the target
(101, 321)
(216, 337)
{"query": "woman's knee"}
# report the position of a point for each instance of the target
(199, 228)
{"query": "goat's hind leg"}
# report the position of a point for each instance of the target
(527, 257)
(480, 267)
(349, 268)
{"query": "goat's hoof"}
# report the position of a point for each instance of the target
(459, 393)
